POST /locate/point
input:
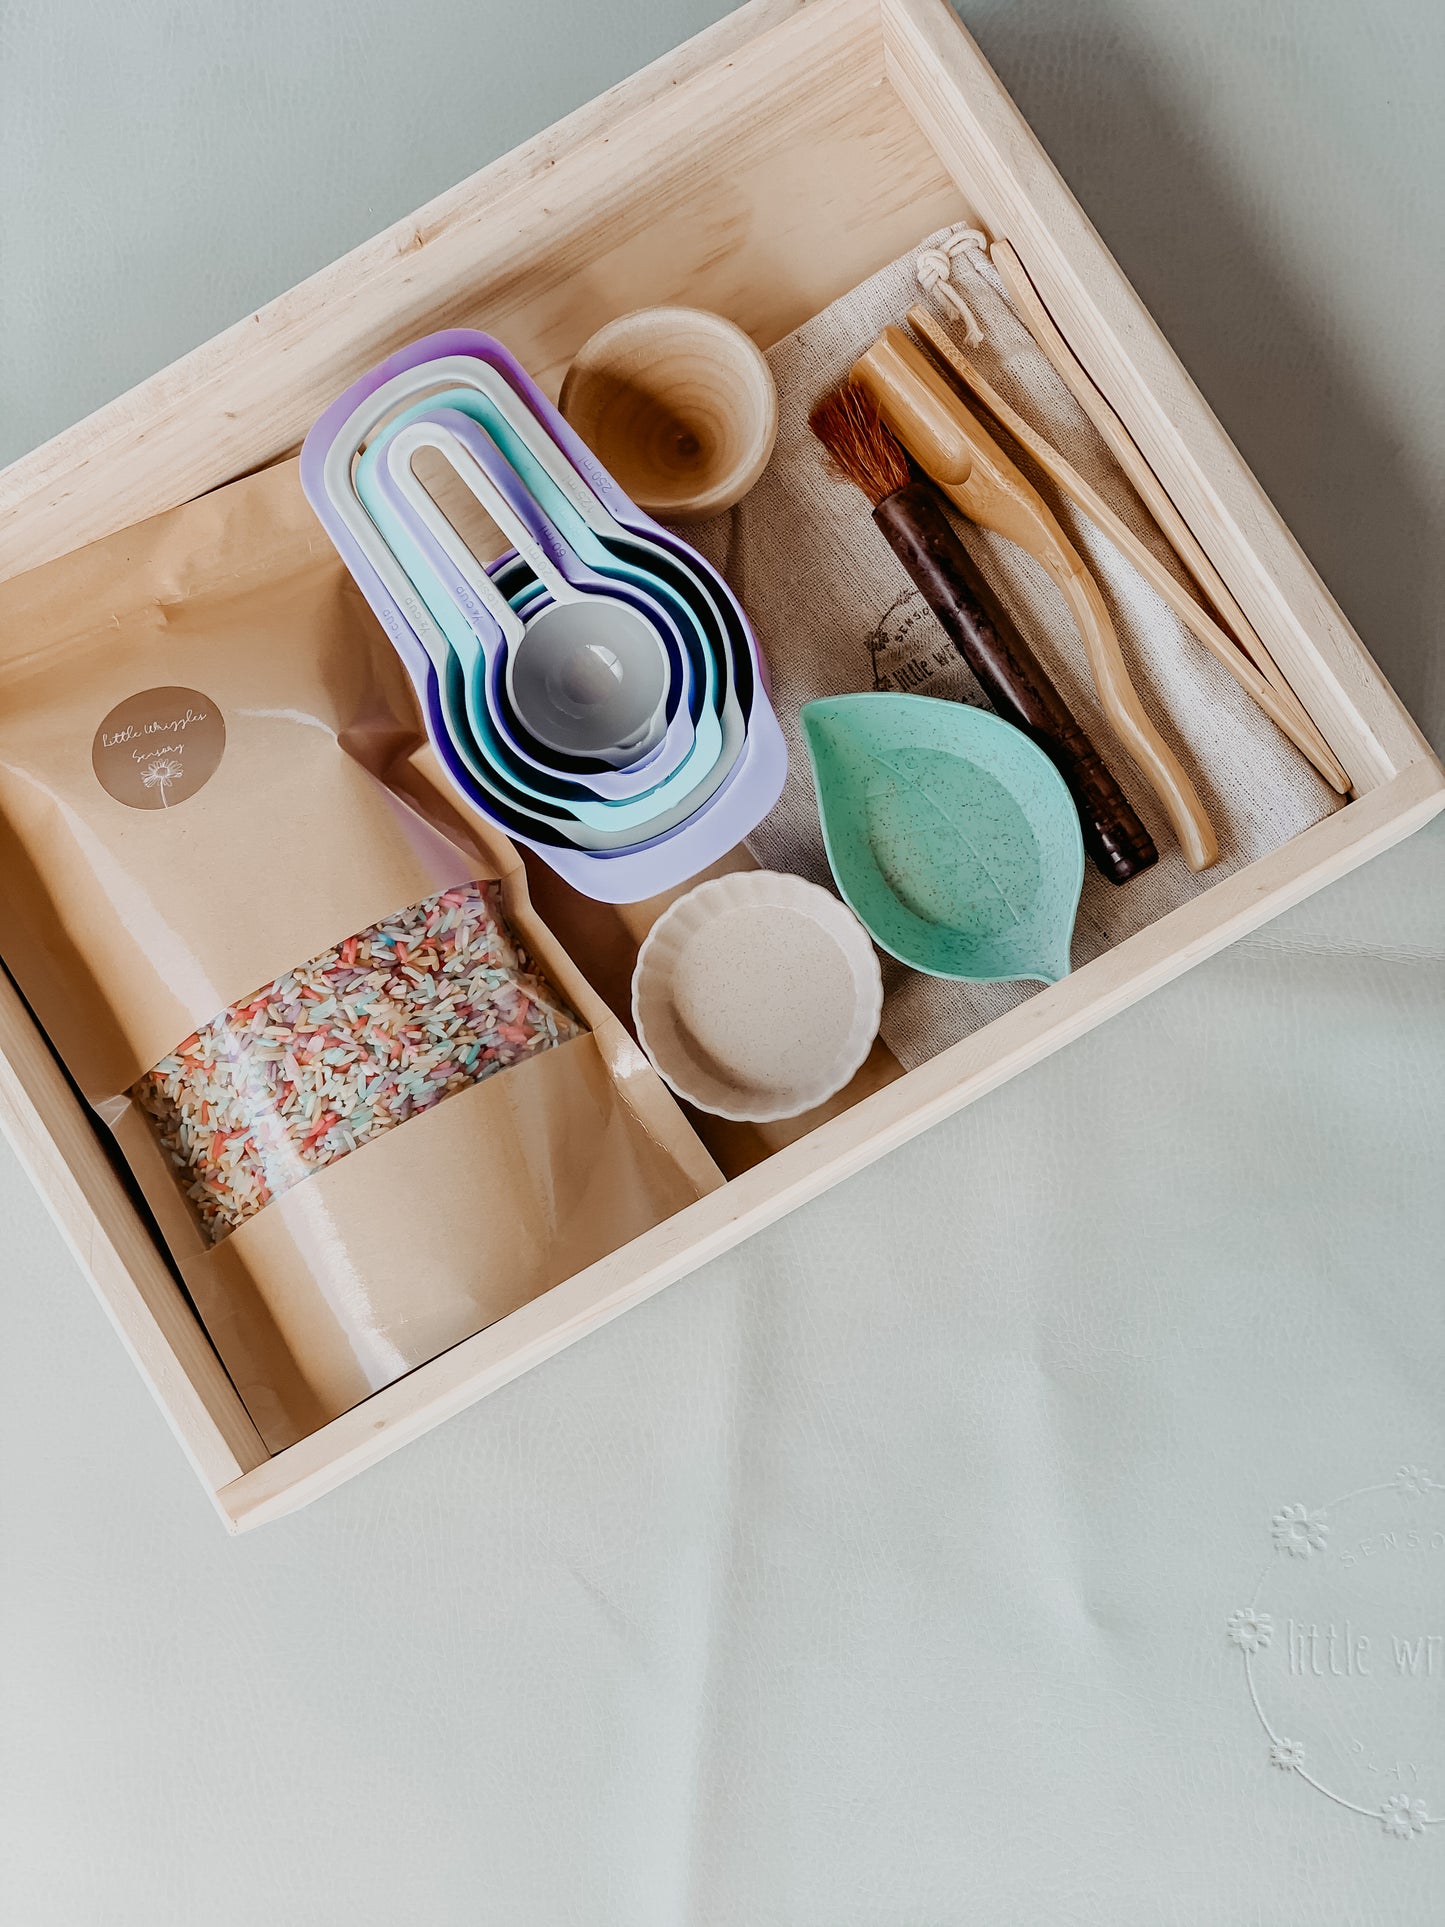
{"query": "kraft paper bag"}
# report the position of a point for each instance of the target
(241, 902)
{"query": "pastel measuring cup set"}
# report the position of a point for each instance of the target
(598, 692)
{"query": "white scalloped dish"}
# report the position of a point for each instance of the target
(757, 996)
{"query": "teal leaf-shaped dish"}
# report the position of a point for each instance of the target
(951, 836)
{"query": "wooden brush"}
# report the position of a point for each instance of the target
(910, 513)
(969, 468)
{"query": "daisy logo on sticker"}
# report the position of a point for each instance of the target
(158, 747)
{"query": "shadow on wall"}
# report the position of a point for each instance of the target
(1139, 160)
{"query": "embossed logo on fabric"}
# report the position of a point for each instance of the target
(158, 747)
(1343, 1650)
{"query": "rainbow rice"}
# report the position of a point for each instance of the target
(333, 1053)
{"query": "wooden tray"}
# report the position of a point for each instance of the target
(762, 169)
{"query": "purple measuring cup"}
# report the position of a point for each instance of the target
(754, 783)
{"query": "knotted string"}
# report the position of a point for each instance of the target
(934, 268)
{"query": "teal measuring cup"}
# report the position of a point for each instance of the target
(589, 547)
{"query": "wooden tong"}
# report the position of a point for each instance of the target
(1040, 324)
(1286, 717)
(954, 449)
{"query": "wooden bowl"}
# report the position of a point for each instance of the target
(678, 405)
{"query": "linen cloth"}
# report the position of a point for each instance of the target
(835, 610)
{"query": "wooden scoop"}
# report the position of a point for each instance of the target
(952, 447)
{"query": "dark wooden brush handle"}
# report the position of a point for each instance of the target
(1011, 676)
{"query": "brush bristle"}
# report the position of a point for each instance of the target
(861, 447)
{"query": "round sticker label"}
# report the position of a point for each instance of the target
(158, 748)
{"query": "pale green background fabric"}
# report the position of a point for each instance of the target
(877, 1575)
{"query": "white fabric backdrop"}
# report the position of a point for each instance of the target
(877, 1575)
